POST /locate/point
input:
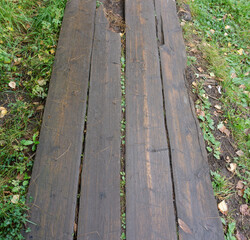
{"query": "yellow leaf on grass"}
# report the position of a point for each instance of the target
(233, 75)
(15, 199)
(240, 51)
(52, 51)
(212, 31)
(3, 112)
(12, 84)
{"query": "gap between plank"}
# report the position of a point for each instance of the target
(123, 139)
(83, 144)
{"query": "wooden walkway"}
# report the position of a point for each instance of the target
(168, 189)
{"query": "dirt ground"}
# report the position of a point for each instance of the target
(228, 146)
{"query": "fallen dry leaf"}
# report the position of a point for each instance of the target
(194, 50)
(232, 167)
(2, 143)
(200, 69)
(200, 112)
(240, 185)
(216, 114)
(3, 112)
(233, 75)
(20, 177)
(12, 84)
(15, 199)
(194, 84)
(52, 51)
(219, 89)
(247, 131)
(191, 44)
(217, 107)
(75, 227)
(212, 31)
(228, 160)
(184, 226)
(222, 206)
(240, 153)
(242, 86)
(240, 236)
(39, 108)
(223, 129)
(240, 51)
(241, 192)
(41, 82)
(212, 74)
(17, 61)
(245, 211)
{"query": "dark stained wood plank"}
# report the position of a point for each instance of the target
(99, 214)
(149, 201)
(54, 181)
(196, 206)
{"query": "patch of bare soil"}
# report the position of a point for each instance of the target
(114, 11)
(195, 74)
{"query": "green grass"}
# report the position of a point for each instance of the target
(28, 38)
(222, 30)
(221, 186)
(227, 54)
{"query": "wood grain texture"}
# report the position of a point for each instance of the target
(54, 181)
(196, 206)
(99, 214)
(149, 201)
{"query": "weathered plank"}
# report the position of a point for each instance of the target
(99, 214)
(149, 201)
(55, 173)
(196, 206)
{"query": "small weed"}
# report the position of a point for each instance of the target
(98, 4)
(246, 195)
(230, 231)
(124, 221)
(32, 142)
(207, 123)
(123, 236)
(191, 60)
(222, 187)
(122, 183)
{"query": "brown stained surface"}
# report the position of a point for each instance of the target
(168, 190)
(54, 181)
(150, 209)
(99, 211)
(195, 204)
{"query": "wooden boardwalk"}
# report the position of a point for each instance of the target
(75, 184)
